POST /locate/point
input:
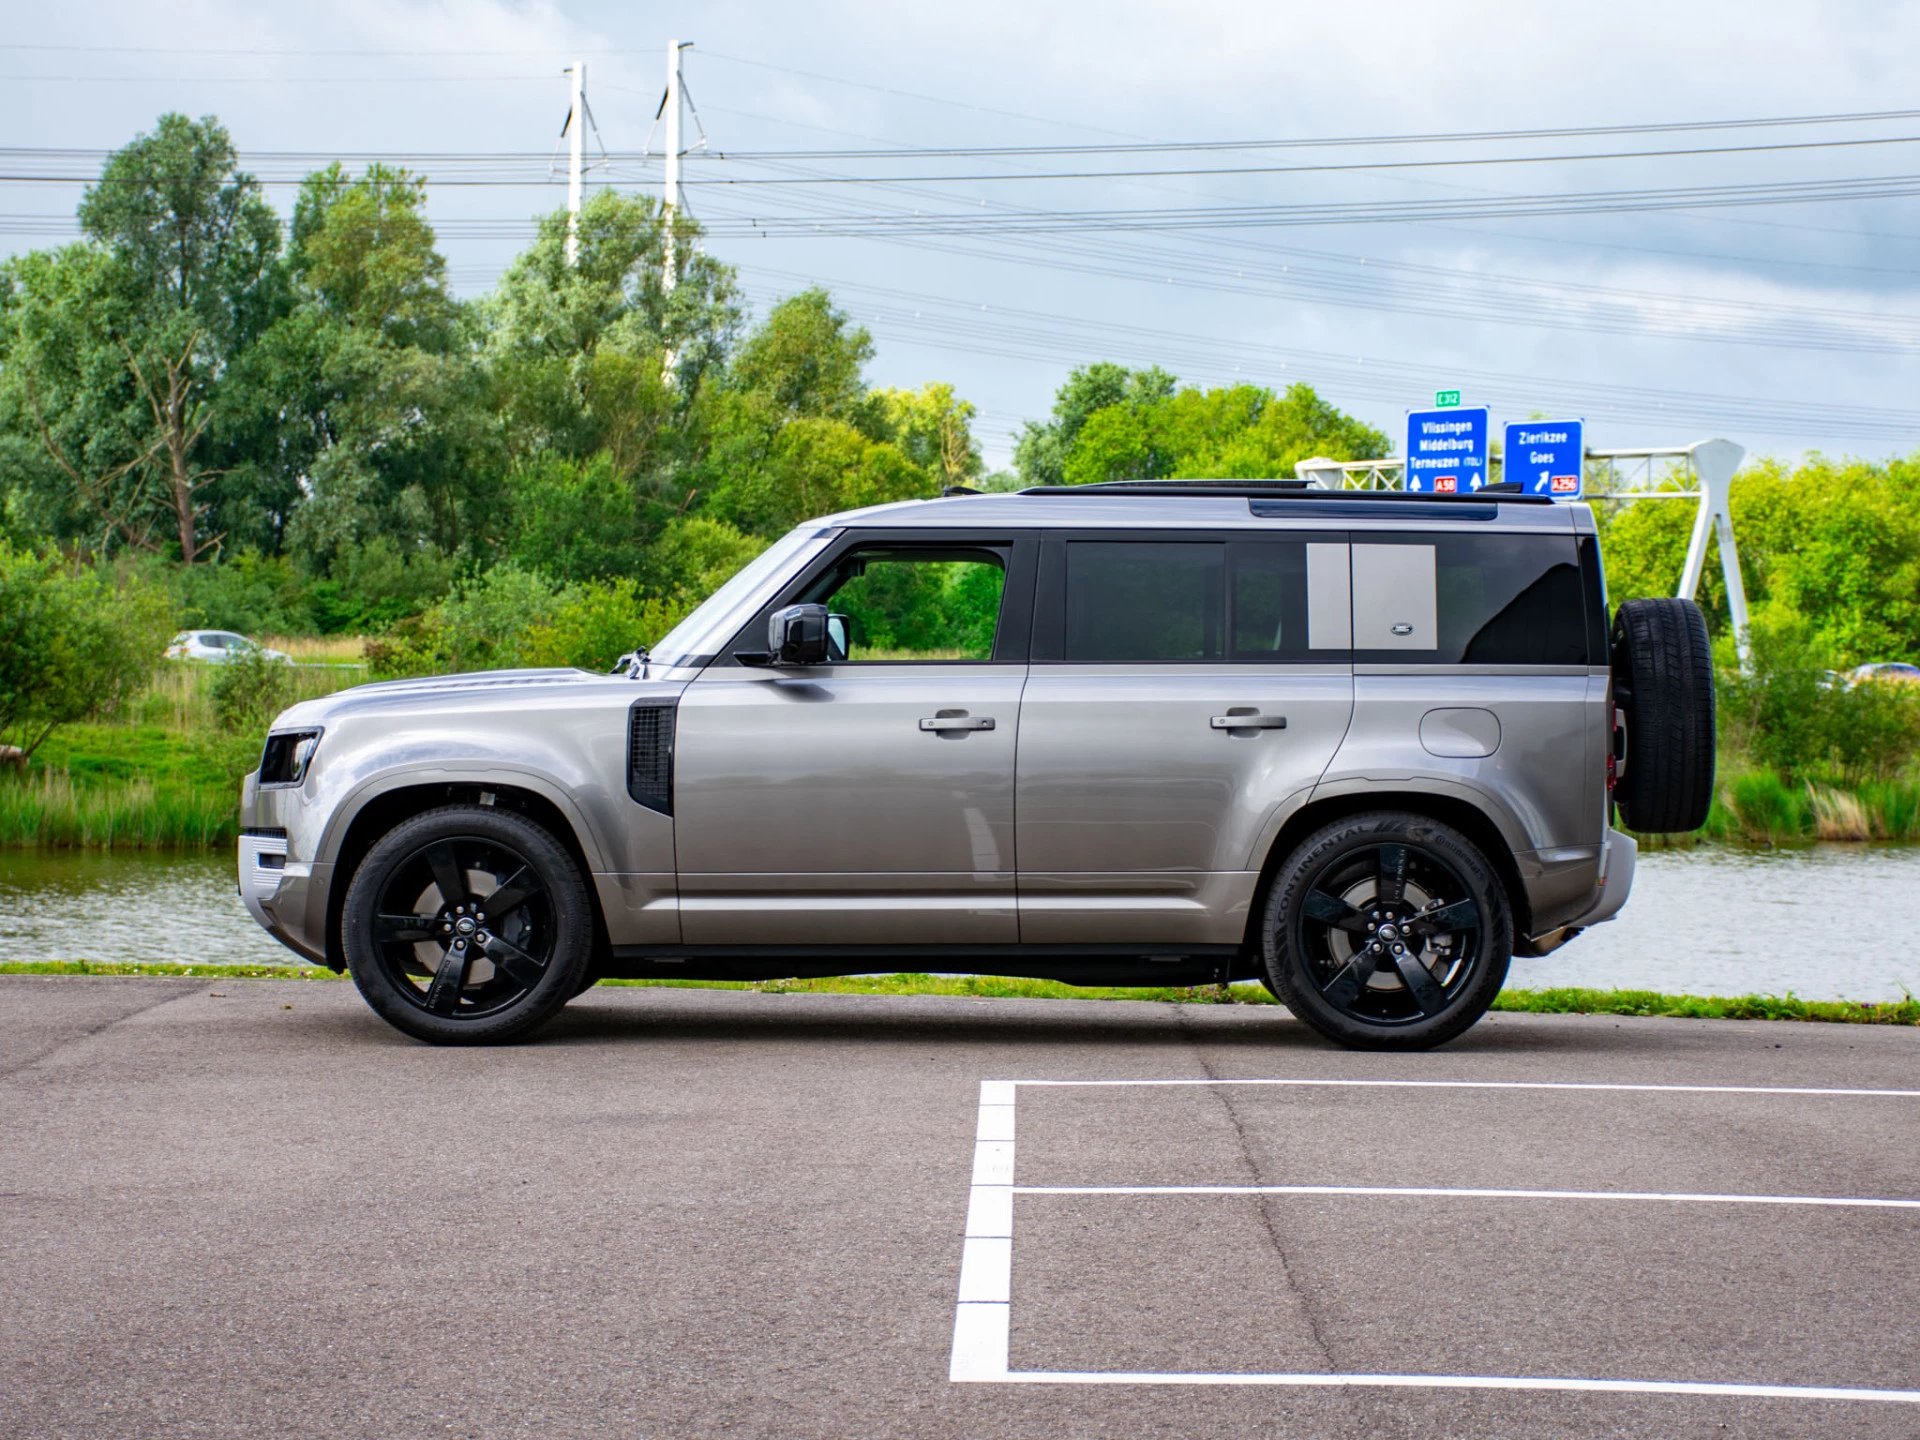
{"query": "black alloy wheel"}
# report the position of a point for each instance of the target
(1387, 931)
(467, 924)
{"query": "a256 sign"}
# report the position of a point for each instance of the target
(1546, 457)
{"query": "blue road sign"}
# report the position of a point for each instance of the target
(1446, 450)
(1545, 457)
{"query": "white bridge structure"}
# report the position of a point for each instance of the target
(1701, 472)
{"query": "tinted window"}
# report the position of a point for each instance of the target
(1500, 600)
(1171, 602)
(1145, 602)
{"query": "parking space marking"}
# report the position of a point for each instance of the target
(1438, 1191)
(983, 1311)
(1478, 1085)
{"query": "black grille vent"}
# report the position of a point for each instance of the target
(650, 754)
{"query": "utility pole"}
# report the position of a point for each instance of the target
(670, 203)
(576, 129)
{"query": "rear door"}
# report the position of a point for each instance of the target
(870, 800)
(1182, 687)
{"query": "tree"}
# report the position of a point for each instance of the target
(1042, 449)
(934, 429)
(73, 643)
(361, 411)
(1236, 432)
(363, 250)
(194, 251)
(614, 296)
(808, 359)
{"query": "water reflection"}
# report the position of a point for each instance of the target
(183, 910)
(1824, 923)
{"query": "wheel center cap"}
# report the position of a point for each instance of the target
(1389, 932)
(464, 925)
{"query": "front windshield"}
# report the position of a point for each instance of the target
(691, 638)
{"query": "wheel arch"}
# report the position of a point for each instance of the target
(384, 809)
(1471, 819)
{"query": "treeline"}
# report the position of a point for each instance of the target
(298, 428)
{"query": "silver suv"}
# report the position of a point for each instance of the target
(1363, 748)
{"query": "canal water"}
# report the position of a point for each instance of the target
(1826, 923)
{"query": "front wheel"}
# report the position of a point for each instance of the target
(1387, 931)
(467, 925)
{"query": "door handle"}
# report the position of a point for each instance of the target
(1248, 721)
(958, 722)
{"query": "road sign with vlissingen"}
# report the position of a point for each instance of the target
(1546, 457)
(1446, 451)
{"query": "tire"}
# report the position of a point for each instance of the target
(1663, 681)
(445, 970)
(1433, 893)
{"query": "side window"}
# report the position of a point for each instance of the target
(1186, 601)
(1470, 599)
(903, 604)
(1132, 602)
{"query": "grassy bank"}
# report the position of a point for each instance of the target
(1757, 807)
(1531, 1002)
(165, 774)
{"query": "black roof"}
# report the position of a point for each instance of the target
(1506, 492)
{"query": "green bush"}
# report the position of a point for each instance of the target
(248, 692)
(1790, 713)
(594, 625)
(254, 594)
(74, 643)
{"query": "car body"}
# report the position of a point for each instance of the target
(1100, 781)
(1884, 672)
(218, 647)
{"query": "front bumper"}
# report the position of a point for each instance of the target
(285, 895)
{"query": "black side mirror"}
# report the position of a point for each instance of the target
(797, 635)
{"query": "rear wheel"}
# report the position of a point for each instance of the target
(467, 925)
(1387, 931)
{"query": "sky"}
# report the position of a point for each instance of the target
(1786, 327)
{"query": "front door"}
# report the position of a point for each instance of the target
(868, 801)
(1183, 690)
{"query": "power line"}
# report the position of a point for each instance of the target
(1437, 137)
(1361, 165)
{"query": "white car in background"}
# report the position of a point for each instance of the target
(219, 646)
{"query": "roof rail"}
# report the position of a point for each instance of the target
(1507, 492)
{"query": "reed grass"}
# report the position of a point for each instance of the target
(49, 809)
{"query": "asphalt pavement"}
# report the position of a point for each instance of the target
(250, 1208)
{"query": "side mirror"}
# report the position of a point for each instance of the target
(837, 637)
(797, 635)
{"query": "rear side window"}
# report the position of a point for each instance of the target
(1175, 602)
(1470, 600)
(1145, 603)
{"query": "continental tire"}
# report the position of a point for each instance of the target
(1663, 681)
(467, 925)
(1387, 931)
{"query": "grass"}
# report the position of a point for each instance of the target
(320, 649)
(164, 775)
(1529, 1002)
(1757, 807)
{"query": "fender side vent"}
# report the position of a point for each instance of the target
(650, 754)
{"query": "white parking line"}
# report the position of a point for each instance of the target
(1441, 1192)
(983, 1315)
(1485, 1085)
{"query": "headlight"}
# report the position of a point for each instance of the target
(287, 755)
